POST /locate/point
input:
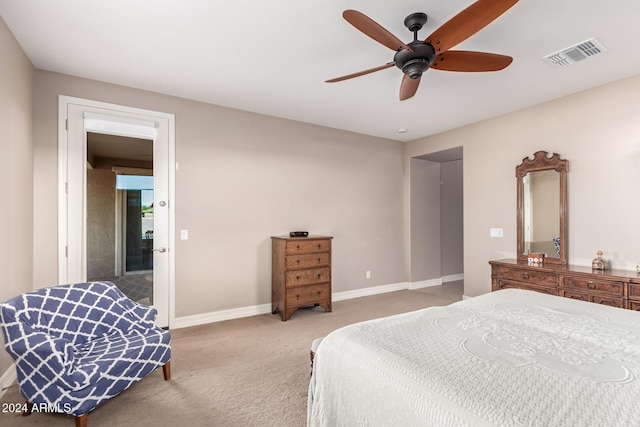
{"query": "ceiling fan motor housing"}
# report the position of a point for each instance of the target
(414, 63)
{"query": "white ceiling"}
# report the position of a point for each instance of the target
(272, 57)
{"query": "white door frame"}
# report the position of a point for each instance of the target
(72, 201)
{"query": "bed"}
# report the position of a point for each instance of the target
(507, 358)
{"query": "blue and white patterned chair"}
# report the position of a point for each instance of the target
(76, 346)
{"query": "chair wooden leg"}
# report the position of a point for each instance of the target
(27, 410)
(166, 370)
(82, 420)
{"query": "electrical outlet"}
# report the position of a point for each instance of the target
(368, 274)
(184, 234)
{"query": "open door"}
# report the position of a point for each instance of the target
(115, 215)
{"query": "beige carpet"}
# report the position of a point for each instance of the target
(244, 372)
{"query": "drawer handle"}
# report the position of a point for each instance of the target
(319, 275)
(297, 277)
(298, 296)
(525, 275)
(298, 261)
(319, 293)
(591, 285)
(298, 247)
(319, 260)
(319, 246)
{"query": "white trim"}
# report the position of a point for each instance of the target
(63, 272)
(219, 316)
(365, 292)
(425, 283)
(452, 278)
(436, 282)
(7, 379)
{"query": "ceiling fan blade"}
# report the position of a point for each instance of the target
(467, 23)
(374, 30)
(408, 87)
(361, 73)
(463, 60)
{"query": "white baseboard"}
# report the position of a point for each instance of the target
(436, 282)
(236, 313)
(7, 379)
(219, 316)
(425, 283)
(365, 292)
(453, 278)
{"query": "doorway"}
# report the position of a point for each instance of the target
(436, 218)
(119, 217)
(116, 167)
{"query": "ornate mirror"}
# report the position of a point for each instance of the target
(542, 207)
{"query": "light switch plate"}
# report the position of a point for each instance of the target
(184, 234)
(495, 232)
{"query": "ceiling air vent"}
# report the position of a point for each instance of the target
(578, 52)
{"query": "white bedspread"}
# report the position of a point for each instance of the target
(507, 358)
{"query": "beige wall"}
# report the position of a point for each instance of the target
(101, 224)
(243, 177)
(16, 215)
(597, 130)
(452, 218)
(425, 250)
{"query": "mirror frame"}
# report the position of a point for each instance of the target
(543, 161)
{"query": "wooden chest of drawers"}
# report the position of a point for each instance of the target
(300, 273)
(617, 288)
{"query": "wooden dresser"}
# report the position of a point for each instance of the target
(617, 288)
(300, 273)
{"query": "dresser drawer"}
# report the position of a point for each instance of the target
(306, 261)
(634, 290)
(530, 276)
(307, 277)
(593, 284)
(507, 284)
(609, 300)
(307, 246)
(305, 295)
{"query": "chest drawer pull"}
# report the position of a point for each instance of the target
(525, 275)
(591, 285)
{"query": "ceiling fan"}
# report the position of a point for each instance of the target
(418, 56)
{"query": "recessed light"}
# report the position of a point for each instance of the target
(402, 130)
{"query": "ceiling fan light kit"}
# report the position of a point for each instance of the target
(416, 57)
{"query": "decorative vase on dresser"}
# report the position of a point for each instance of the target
(300, 273)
